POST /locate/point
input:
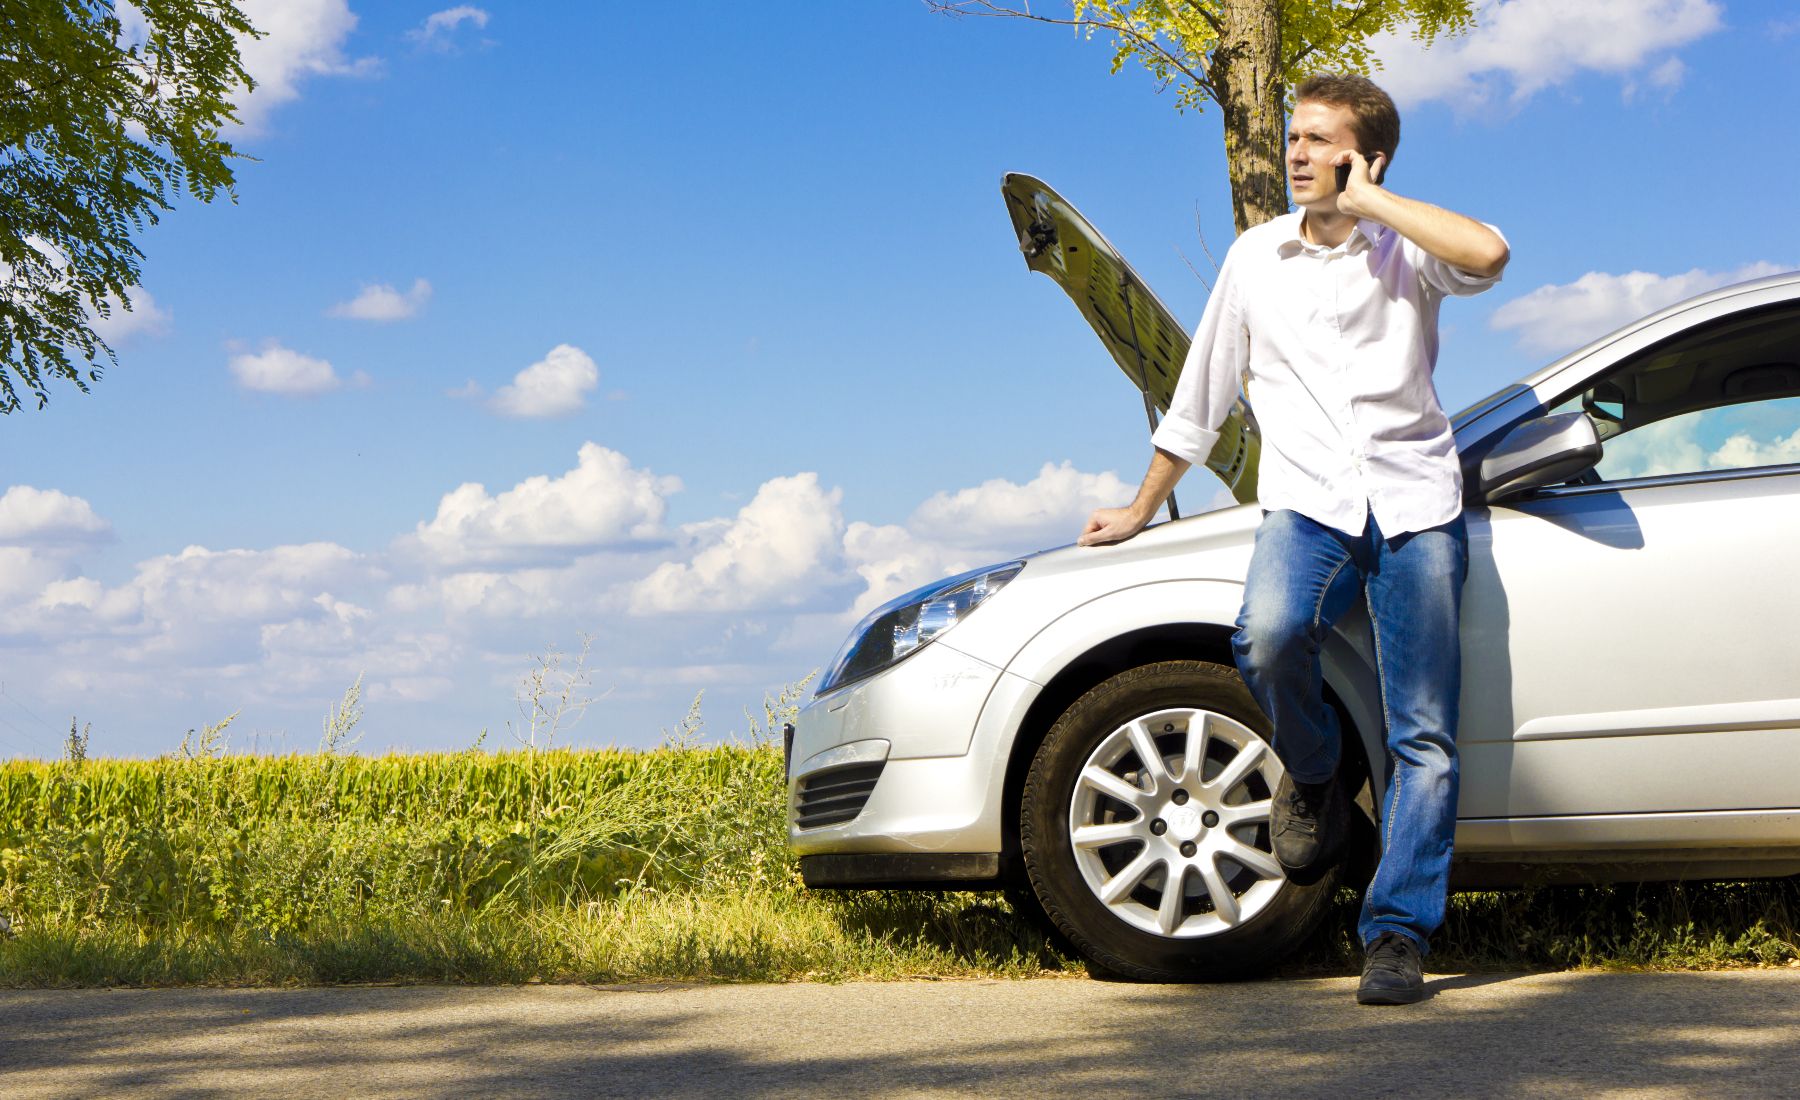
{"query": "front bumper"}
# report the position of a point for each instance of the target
(905, 751)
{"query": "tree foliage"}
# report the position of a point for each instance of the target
(1176, 39)
(108, 114)
(1243, 56)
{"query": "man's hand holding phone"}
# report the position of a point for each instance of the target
(1354, 173)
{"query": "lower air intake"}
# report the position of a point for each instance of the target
(836, 795)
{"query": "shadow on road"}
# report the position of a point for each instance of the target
(1545, 1034)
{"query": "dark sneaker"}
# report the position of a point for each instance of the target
(1308, 823)
(1391, 972)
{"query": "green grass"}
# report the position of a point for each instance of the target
(668, 865)
(684, 937)
(1671, 926)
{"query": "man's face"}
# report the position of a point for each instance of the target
(1317, 133)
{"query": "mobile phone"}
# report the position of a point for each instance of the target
(1343, 177)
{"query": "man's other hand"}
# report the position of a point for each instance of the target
(1111, 525)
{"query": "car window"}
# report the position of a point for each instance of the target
(1736, 437)
(1724, 398)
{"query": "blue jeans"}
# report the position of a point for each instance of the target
(1303, 577)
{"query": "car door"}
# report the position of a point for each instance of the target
(1629, 639)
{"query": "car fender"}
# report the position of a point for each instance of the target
(1154, 604)
(1203, 603)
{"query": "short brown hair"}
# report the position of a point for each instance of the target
(1377, 121)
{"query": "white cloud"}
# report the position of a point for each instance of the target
(440, 27)
(79, 592)
(1742, 450)
(783, 549)
(515, 595)
(239, 620)
(603, 502)
(281, 370)
(954, 531)
(122, 324)
(301, 39)
(1673, 446)
(444, 618)
(1520, 47)
(1048, 510)
(187, 616)
(381, 302)
(892, 560)
(555, 385)
(1669, 75)
(24, 573)
(331, 632)
(1560, 318)
(242, 585)
(48, 517)
(1666, 447)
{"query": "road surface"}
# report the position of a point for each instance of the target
(1570, 1034)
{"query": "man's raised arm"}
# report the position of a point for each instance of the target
(1459, 241)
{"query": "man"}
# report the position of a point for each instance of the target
(1332, 311)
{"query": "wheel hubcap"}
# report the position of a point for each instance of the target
(1170, 823)
(1184, 823)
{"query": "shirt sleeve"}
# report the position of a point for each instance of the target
(1446, 279)
(1209, 376)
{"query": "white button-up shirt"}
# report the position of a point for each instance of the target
(1340, 344)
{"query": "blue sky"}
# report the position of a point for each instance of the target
(700, 335)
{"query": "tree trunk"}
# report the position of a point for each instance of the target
(1246, 72)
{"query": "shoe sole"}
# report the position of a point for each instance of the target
(1389, 996)
(1327, 856)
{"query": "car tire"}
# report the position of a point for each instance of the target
(1101, 856)
(1030, 910)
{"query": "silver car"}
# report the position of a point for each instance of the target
(1070, 727)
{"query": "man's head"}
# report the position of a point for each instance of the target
(1333, 113)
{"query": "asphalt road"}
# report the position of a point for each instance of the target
(1579, 1034)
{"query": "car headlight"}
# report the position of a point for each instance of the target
(905, 625)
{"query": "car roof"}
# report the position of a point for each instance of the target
(1789, 279)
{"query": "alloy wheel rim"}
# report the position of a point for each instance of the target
(1169, 823)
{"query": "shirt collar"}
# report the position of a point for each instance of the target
(1364, 234)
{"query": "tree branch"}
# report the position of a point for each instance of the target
(27, 91)
(992, 10)
(1343, 31)
(1212, 20)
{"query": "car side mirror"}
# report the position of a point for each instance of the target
(1539, 452)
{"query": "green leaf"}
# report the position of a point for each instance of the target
(102, 128)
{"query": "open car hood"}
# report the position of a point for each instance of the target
(1139, 332)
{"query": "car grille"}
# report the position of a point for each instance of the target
(836, 795)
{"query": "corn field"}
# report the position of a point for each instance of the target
(276, 844)
(605, 866)
(555, 864)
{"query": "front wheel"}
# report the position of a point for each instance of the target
(1145, 829)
